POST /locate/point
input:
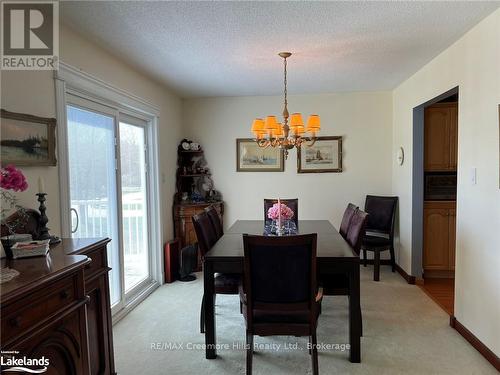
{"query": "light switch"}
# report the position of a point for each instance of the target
(473, 176)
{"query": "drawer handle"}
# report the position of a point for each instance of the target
(64, 294)
(15, 322)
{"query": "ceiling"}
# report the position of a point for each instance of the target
(202, 49)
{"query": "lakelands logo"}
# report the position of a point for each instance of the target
(30, 35)
(11, 363)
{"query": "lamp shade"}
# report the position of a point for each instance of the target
(313, 123)
(271, 124)
(258, 125)
(296, 120)
(278, 132)
(298, 130)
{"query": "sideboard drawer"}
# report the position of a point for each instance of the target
(25, 313)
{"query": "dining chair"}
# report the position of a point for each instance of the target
(225, 283)
(279, 291)
(293, 204)
(215, 220)
(380, 230)
(346, 219)
(338, 285)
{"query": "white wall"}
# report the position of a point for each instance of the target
(473, 64)
(363, 119)
(33, 92)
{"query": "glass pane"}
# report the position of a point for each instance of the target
(91, 146)
(134, 204)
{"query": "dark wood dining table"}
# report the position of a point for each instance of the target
(334, 256)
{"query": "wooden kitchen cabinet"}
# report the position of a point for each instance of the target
(439, 236)
(441, 135)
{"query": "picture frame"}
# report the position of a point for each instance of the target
(27, 140)
(324, 156)
(252, 158)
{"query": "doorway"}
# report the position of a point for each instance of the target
(434, 197)
(109, 192)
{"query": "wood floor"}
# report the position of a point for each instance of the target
(442, 291)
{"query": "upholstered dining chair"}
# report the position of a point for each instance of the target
(346, 219)
(293, 204)
(380, 230)
(279, 293)
(215, 220)
(225, 283)
(338, 285)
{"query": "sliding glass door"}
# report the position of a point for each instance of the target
(134, 199)
(107, 155)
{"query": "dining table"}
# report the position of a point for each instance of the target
(334, 257)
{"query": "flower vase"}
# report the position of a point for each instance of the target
(280, 229)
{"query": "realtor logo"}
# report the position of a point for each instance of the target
(30, 35)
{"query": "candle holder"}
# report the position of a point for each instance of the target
(43, 231)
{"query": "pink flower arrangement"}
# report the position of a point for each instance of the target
(274, 212)
(12, 178)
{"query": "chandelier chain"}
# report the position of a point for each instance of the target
(285, 82)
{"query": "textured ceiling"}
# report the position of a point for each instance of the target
(230, 48)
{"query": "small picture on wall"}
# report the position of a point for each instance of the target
(27, 140)
(325, 155)
(252, 158)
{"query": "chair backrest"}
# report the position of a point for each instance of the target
(346, 219)
(382, 211)
(293, 204)
(279, 272)
(205, 232)
(357, 230)
(215, 219)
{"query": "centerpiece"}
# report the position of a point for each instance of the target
(280, 213)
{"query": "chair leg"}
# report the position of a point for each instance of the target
(314, 356)
(249, 352)
(393, 259)
(376, 266)
(202, 315)
(364, 257)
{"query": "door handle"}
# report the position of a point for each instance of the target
(77, 220)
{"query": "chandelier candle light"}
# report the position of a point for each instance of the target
(270, 132)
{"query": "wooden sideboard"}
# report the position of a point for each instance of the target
(59, 307)
(183, 224)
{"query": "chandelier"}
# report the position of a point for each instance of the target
(270, 132)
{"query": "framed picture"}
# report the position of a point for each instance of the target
(325, 155)
(252, 158)
(27, 140)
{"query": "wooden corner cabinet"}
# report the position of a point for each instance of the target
(58, 307)
(441, 137)
(439, 237)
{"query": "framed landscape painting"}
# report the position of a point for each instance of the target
(252, 158)
(27, 140)
(325, 155)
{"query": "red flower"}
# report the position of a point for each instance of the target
(12, 178)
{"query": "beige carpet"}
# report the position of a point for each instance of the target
(404, 332)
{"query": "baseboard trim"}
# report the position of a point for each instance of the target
(475, 342)
(409, 278)
(387, 262)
